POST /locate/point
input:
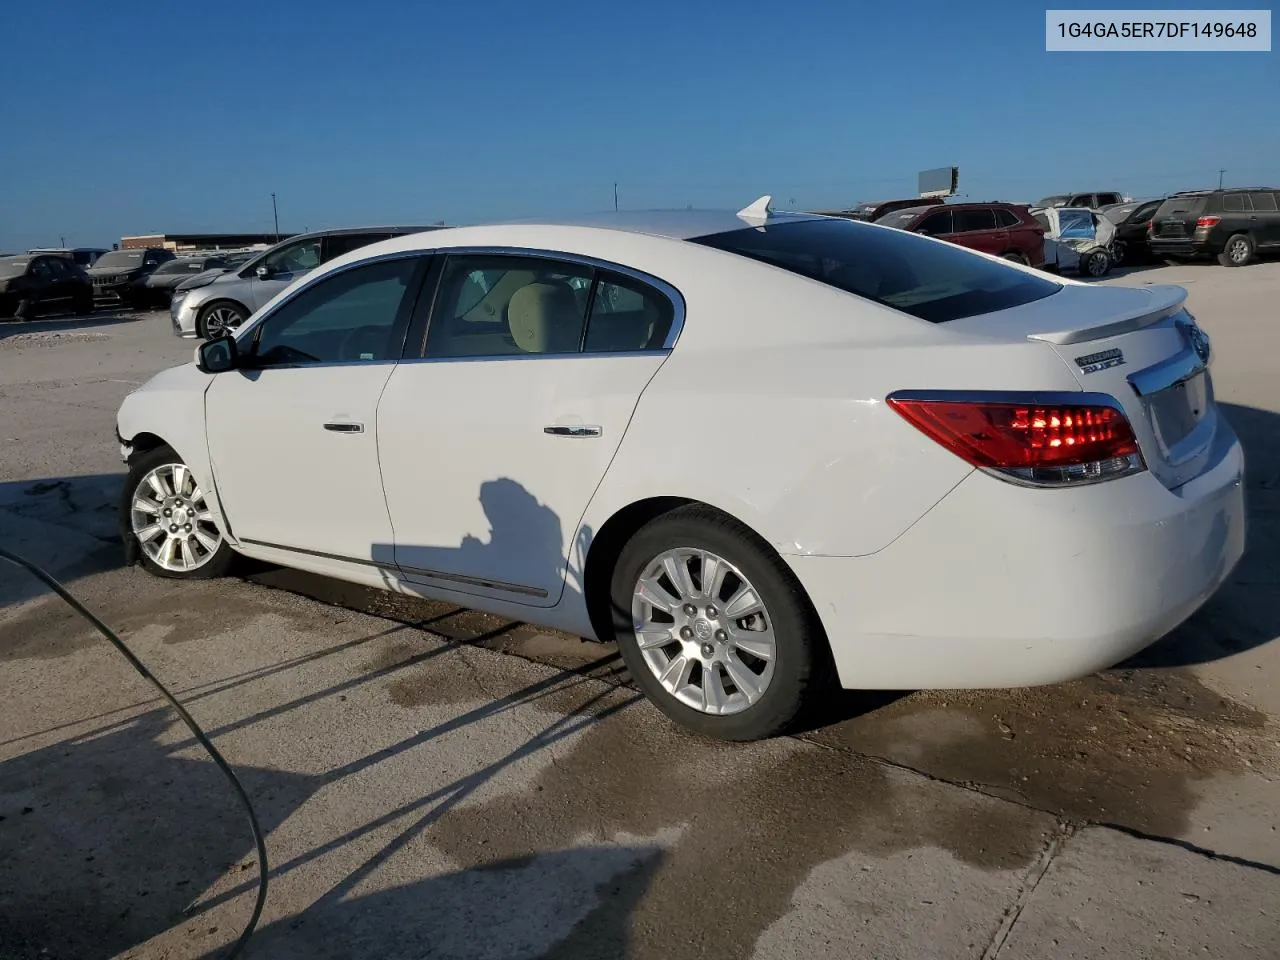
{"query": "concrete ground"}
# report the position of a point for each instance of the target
(438, 783)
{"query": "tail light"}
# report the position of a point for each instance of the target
(1208, 222)
(1038, 440)
(1151, 227)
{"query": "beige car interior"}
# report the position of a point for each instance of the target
(535, 312)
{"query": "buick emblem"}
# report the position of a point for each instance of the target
(1196, 338)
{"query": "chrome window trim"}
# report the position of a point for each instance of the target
(246, 331)
(408, 570)
(674, 296)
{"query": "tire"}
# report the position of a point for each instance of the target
(1119, 252)
(791, 682)
(1015, 257)
(1238, 251)
(83, 305)
(1096, 263)
(172, 562)
(218, 316)
(25, 309)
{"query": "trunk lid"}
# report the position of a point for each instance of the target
(1138, 345)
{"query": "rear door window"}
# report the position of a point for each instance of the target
(508, 306)
(1235, 202)
(626, 315)
(1263, 201)
(932, 281)
(969, 221)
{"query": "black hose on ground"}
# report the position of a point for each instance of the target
(194, 727)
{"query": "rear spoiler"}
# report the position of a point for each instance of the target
(1169, 300)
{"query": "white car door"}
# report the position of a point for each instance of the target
(292, 433)
(493, 443)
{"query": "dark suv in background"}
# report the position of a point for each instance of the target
(120, 277)
(1131, 219)
(1003, 229)
(1234, 225)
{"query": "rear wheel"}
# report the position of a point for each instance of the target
(1015, 257)
(219, 318)
(714, 628)
(1096, 263)
(1237, 252)
(1119, 252)
(166, 513)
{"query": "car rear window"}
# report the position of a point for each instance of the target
(934, 281)
(1180, 207)
(900, 218)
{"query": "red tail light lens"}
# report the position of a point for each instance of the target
(1208, 221)
(1039, 443)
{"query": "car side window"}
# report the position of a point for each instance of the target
(352, 316)
(627, 315)
(40, 269)
(1005, 218)
(1264, 201)
(304, 255)
(499, 306)
(970, 220)
(1235, 202)
(936, 224)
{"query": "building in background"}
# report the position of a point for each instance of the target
(180, 242)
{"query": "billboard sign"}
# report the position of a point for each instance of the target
(942, 182)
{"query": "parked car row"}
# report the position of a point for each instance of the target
(1091, 232)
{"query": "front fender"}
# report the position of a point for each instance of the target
(171, 407)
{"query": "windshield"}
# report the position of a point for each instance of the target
(13, 267)
(900, 218)
(1057, 200)
(933, 281)
(120, 258)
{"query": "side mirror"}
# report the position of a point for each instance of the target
(218, 355)
(263, 272)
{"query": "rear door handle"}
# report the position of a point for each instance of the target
(572, 430)
(344, 426)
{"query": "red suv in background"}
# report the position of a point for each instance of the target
(1003, 229)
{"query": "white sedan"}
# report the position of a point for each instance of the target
(765, 452)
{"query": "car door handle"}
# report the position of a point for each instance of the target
(572, 430)
(344, 426)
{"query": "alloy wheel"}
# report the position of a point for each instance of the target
(172, 521)
(1239, 252)
(221, 320)
(704, 631)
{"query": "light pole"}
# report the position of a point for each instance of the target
(275, 217)
(1221, 171)
(615, 195)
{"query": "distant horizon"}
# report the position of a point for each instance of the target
(359, 119)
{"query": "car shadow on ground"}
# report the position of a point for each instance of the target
(116, 835)
(1243, 614)
(67, 525)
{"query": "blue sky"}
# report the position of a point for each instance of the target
(117, 121)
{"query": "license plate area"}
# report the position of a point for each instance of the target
(1176, 414)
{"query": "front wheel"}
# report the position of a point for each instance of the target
(166, 515)
(715, 628)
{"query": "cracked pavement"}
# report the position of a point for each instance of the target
(440, 783)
